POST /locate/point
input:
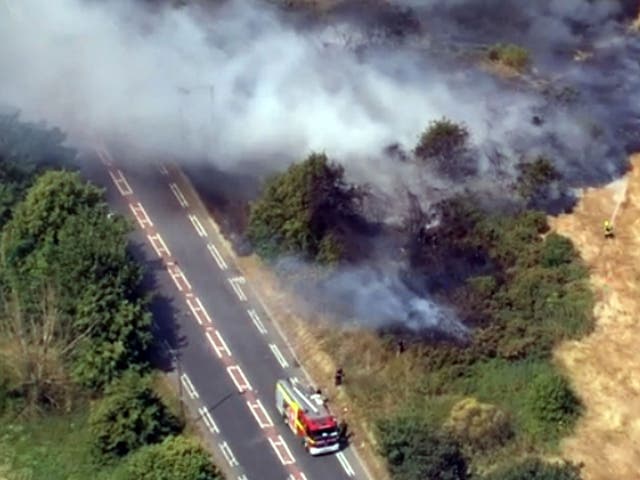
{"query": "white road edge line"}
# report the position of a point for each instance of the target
(191, 390)
(216, 256)
(197, 225)
(276, 353)
(257, 322)
(242, 384)
(228, 454)
(217, 348)
(280, 442)
(236, 287)
(208, 421)
(301, 477)
(178, 194)
(345, 464)
(264, 422)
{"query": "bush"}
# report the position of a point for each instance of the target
(176, 458)
(444, 143)
(557, 250)
(535, 177)
(481, 426)
(300, 208)
(129, 416)
(534, 469)
(510, 55)
(414, 450)
(551, 404)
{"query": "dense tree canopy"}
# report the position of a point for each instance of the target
(61, 243)
(302, 210)
(176, 458)
(417, 451)
(129, 416)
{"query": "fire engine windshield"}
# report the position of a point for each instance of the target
(323, 433)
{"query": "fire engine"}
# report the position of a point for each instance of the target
(306, 413)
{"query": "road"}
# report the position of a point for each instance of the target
(229, 352)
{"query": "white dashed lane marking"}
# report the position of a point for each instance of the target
(228, 454)
(141, 215)
(282, 450)
(197, 225)
(260, 414)
(163, 170)
(256, 321)
(208, 420)
(178, 194)
(216, 256)
(235, 284)
(120, 182)
(158, 245)
(239, 378)
(195, 305)
(279, 357)
(178, 277)
(191, 390)
(218, 343)
(345, 464)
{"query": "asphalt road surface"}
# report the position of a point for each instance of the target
(228, 353)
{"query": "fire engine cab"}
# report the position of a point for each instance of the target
(305, 411)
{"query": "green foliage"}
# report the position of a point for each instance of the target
(129, 416)
(176, 458)
(535, 177)
(444, 144)
(481, 426)
(301, 211)
(557, 251)
(414, 450)
(61, 239)
(534, 469)
(510, 55)
(552, 404)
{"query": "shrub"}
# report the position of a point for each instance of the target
(129, 416)
(551, 404)
(534, 469)
(444, 143)
(510, 55)
(176, 458)
(481, 426)
(534, 177)
(414, 450)
(557, 250)
(300, 207)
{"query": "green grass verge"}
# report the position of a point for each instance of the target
(51, 447)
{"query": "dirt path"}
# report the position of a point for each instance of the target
(605, 366)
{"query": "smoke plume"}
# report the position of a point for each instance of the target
(238, 85)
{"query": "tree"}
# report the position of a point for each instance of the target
(414, 451)
(62, 238)
(129, 416)
(176, 458)
(302, 210)
(534, 178)
(534, 469)
(551, 404)
(444, 144)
